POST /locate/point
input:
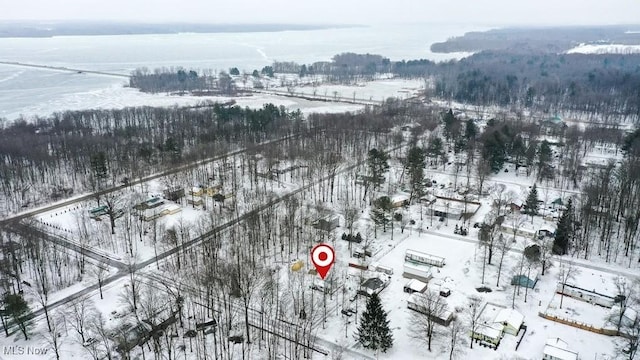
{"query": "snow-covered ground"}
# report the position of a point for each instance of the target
(604, 49)
(116, 96)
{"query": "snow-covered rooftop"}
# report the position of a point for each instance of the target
(509, 316)
(558, 353)
(416, 285)
(489, 331)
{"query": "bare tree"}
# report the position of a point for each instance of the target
(431, 307)
(627, 346)
(456, 332)
(98, 328)
(567, 272)
(131, 293)
(546, 252)
(473, 314)
(503, 247)
(626, 296)
(54, 337)
(80, 315)
(100, 271)
(112, 202)
(482, 172)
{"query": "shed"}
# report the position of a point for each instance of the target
(528, 281)
(510, 319)
(417, 271)
(399, 201)
(174, 194)
(414, 285)
(556, 349)
(327, 223)
(373, 286)
(557, 203)
(170, 209)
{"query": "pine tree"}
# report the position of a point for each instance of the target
(449, 121)
(378, 162)
(415, 168)
(17, 309)
(99, 165)
(374, 332)
(544, 161)
(532, 202)
(564, 231)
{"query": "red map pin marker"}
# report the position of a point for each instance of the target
(322, 257)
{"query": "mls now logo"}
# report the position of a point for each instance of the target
(24, 350)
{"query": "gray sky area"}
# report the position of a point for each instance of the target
(490, 12)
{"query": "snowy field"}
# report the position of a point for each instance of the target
(112, 94)
(604, 49)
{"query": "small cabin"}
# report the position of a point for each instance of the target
(327, 223)
(414, 285)
(524, 280)
(557, 349)
(399, 201)
(373, 285)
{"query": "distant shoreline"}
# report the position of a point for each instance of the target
(13, 29)
(548, 39)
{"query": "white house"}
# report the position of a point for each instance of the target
(399, 200)
(510, 320)
(557, 349)
(487, 334)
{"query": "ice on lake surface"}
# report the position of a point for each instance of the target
(40, 92)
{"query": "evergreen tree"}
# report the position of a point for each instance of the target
(382, 209)
(17, 309)
(415, 168)
(378, 162)
(494, 150)
(99, 165)
(449, 121)
(518, 149)
(532, 202)
(435, 148)
(544, 161)
(470, 130)
(564, 231)
(374, 332)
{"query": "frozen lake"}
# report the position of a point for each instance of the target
(40, 92)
